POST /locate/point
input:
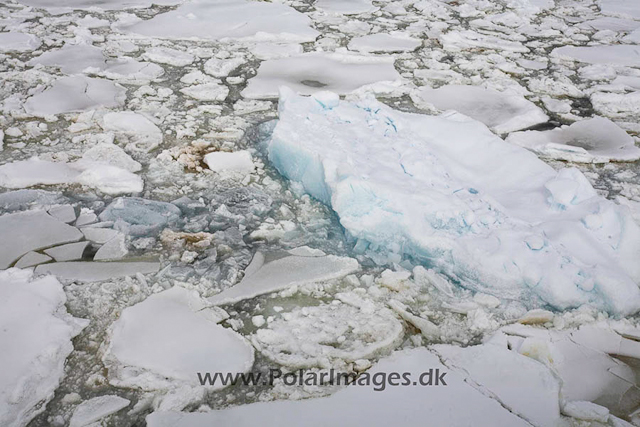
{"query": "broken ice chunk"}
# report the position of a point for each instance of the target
(96, 271)
(140, 217)
(346, 7)
(165, 55)
(115, 248)
(70, 252)
(162, 342)
(501, 112)
(65, 213)
(142, 133)
(18, 42)
(31, 230)
(238, 161)
(270, 274)
(31, 259)
(72, 58)
(383, 42)
(95, 409)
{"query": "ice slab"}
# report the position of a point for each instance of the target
(31, 230)
(31, 259)
(72, 58)
(62, 6)
(596, 140)
(620, 7)
(527, 388)
(35, 341)
(18, 42)
(501, 112)
(69, 252)
(115, 248)
(104, 177)
(313, 72)
(238, 161)
(383, 42)
(138, 216)
(623, 54)
(96, 271)
(346, 7)
(77, 93)
(165, 55)
(266, 275)
(95, 409)
(111, 154)
(207, 92)
(456, 404)
(229, 19)
(169, 337)
(65, 213)
(452, 195)
(142, 133)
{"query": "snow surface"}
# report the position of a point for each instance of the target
(451, 194)
(35, 341)
(312, 72)
(456, 404)
(596, 140)
(265, 275)
(228, 19)
(501, 112)
(169, 337)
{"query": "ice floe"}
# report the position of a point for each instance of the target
(138, 132)
(77, 93)
(501, 112)
(35, 340)
(18, 42)
(346, 7)
(140, 217)
(235, 19)
(58, 7)
(596, 140)
(236, 162)
(86, 271)
(313, 72)
(95, 409)
(273, 273)
(165, 55)
(488, 214)
(162, 342)
(382, 42)
(458, 403)
(624, 55)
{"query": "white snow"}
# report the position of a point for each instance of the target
(165, 55)
(382, 42)
(96, 271)
(77, 93)
(219, 67)
(624, 54)
(207, 92)
(142, 133)
(263, 275)
(346, 7)
(236, 162)
(169, 337)
(18, 42)
(229, 19)
(448, 192)
(457, 404)
(35, 341)
(95, 409)
(32, 230)
(313, 72)
(596, 140)
(501, 112)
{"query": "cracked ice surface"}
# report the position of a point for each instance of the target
(450, 193)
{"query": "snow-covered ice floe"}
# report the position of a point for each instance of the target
(316, 71)
(501, 112)
(18, 42)
(448, 193)
(62, 6)
(382, 42)
(274, 272)
(35, 341)
(228, 19)
(623, 55)
(162, 342)
(345, 7)
(596, 140)
(456, 404)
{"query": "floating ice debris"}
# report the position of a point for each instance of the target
(313, 72)
(501, 112)
(383, 42)
(96, 271)
(140, 217)
(222, 67)
(72, 58)
(238, 161)
(456, 41)
(620, 7)
(627, 55)
(141, 133)
(95, 409)
(106, 178)
(165, 55)
(596, 140)
(65, 213)
(113, 155)
(62, 6)
(32, 230)
(231, 19)
(346, 7)
(18, 42)
(457, 404)
(268, 274)
(131, 71)
(115, 248)
(35, 341)
(448, 192)
(165, 340)
(207, 92)
(77, 93)
(31, 259)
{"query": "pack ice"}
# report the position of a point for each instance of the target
(35, 341)
(446, 192)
